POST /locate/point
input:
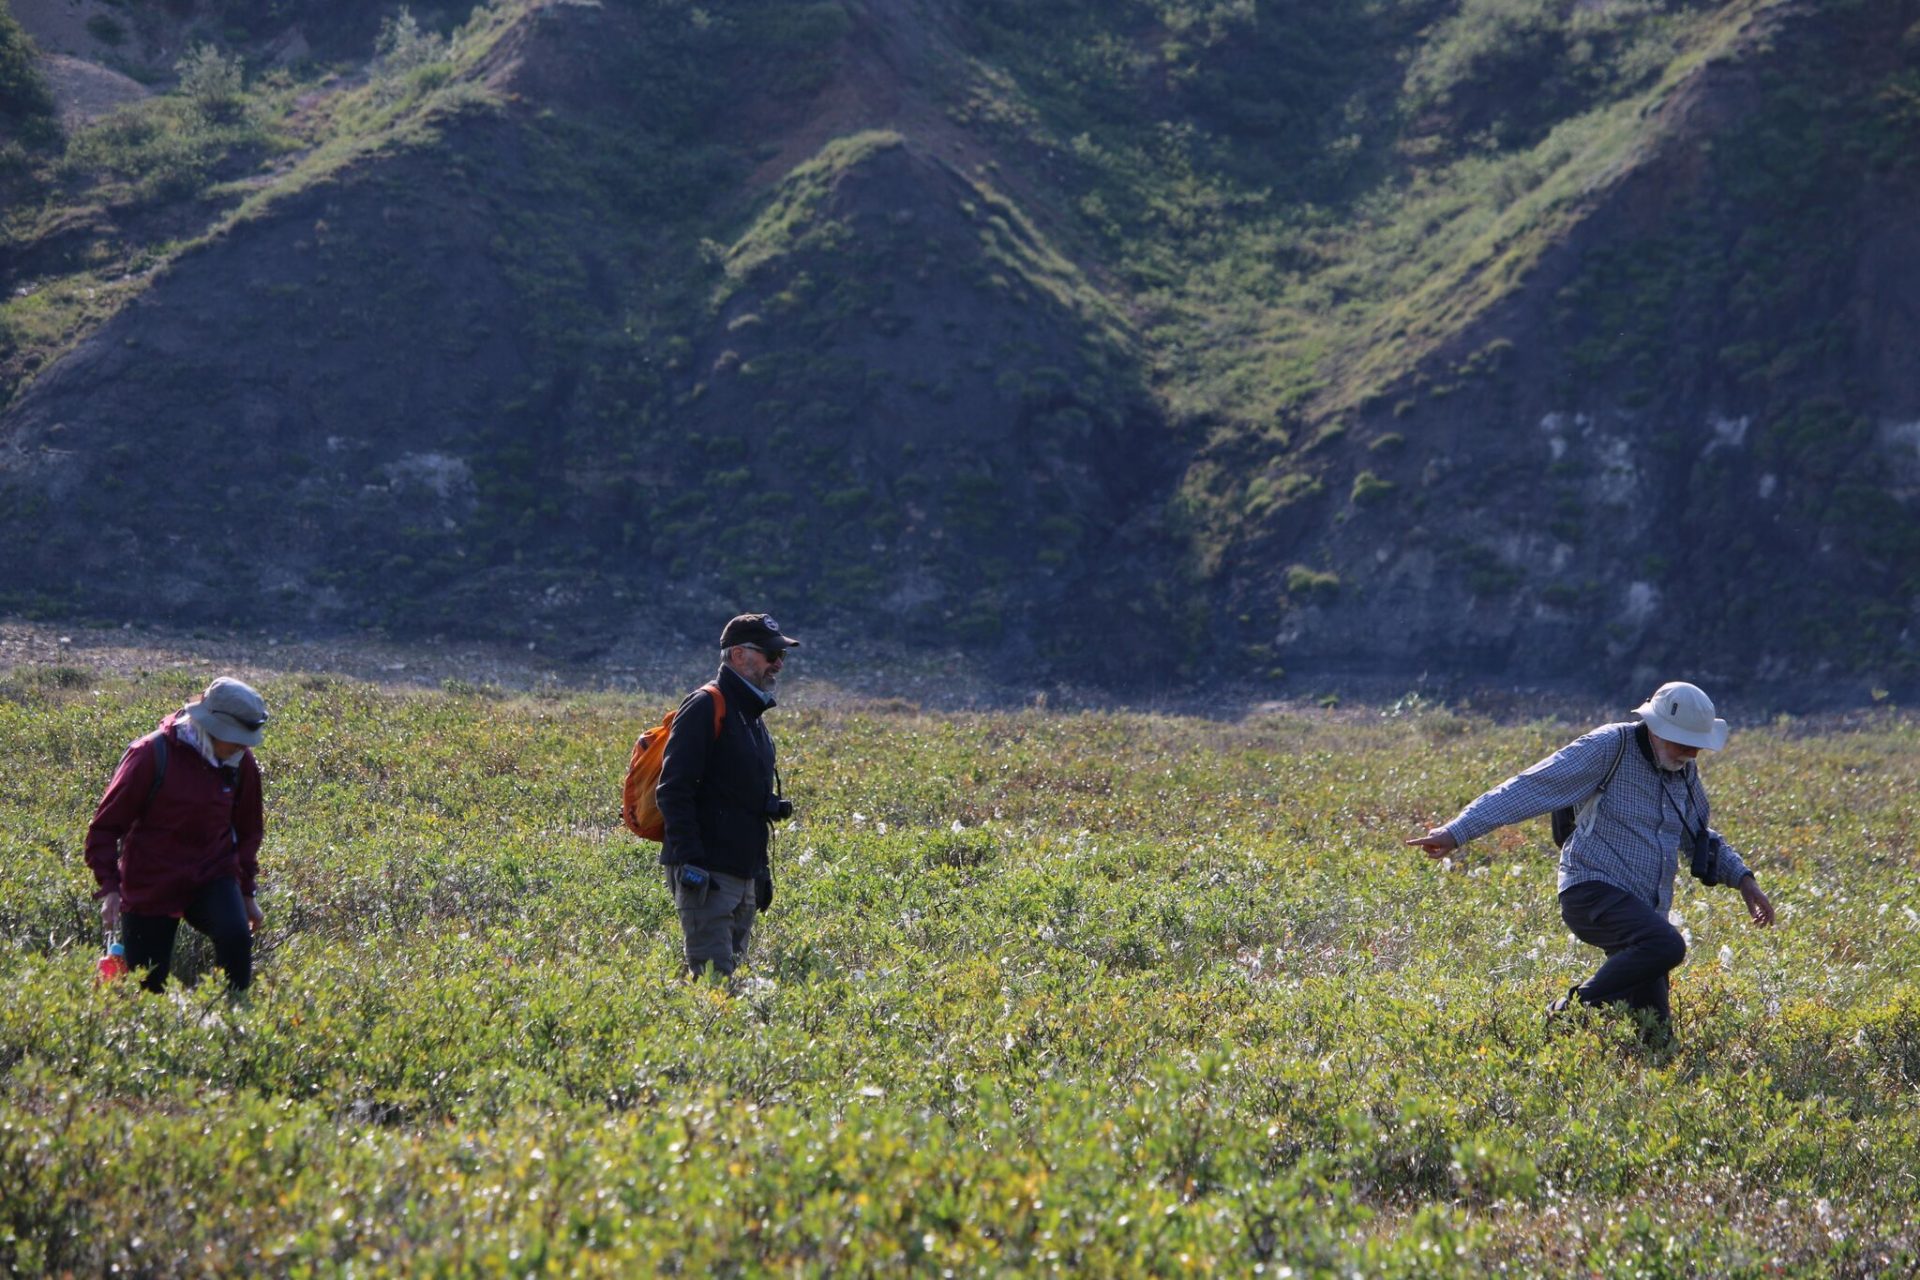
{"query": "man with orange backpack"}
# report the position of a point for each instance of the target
(719, 794)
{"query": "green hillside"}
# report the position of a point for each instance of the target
(1341, 190)
(1040, 994)
(1252, 329)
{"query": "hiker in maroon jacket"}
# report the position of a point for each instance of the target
(176, 836)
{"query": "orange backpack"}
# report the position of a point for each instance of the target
(637, 807)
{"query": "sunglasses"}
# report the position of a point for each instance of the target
(775, 656)
(251, 726)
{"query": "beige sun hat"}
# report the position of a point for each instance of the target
(1683, 713)
(231, 711)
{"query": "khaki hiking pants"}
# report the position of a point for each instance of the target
(715, 917)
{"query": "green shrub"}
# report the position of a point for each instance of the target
(213, 83)
(1267, 492)
(106, 29)
(1305, 583)
(408, 57)
(1561, 595)
(1368, 488)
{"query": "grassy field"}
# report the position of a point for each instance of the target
(1087, 994)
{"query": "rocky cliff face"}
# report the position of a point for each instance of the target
(1686, 443)
(597, 315)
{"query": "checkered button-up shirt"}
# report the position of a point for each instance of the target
(1634, 838)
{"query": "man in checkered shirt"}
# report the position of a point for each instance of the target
(1642, 814)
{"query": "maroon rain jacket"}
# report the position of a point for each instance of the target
(199, 827)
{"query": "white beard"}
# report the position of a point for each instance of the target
(1671, 766)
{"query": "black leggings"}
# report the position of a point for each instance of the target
(216, 911)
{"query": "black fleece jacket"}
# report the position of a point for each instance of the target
(713, 791)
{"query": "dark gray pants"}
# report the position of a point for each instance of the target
(1642, 948)
(715, 918)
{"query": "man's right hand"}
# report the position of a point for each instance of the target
(1437, 843)
(110, 911)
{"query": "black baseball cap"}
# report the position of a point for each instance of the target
(757, 629)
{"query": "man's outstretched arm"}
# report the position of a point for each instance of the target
(1566, 777)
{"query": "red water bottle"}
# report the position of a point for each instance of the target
(114, 963)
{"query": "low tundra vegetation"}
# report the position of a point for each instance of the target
(1042, 993)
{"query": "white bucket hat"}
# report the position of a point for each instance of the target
(1683, 713)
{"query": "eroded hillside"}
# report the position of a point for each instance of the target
(1467, 337)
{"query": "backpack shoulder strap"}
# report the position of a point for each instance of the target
(159, 769)
(719, 705)
(1619, 752)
